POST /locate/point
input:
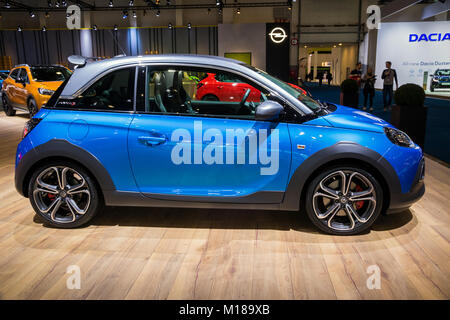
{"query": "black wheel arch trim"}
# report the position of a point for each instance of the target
(336, 152)
(58, 148)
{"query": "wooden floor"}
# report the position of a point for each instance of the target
(129, 253)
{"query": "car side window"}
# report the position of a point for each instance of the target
(23, 75)
(196, 91)
(114, 92)
(14, 73)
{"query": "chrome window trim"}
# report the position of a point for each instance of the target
(296, 105)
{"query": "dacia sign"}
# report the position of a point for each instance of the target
(413, 37)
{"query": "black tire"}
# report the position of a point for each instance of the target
(32, 107)
(66, 216)
(210, 97)
(346, 203)
(9, 111)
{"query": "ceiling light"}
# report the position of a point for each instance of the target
(64, 3)
(340, 44)
(57, 4)
(238, 11)
(131, 3)
(111, 4)
(44, 29)
(124, 14)
(170, 26)
(95, 27)
(32, 14)
(115, 27)
(134, 14)
(189, 26)
(19, 28)
(168, 2)
(158, 13)
(49, 3)
(7, 5)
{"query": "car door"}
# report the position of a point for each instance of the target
(10, 86)
(193, 156)
(21, 92)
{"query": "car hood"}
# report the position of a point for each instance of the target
(349, 118)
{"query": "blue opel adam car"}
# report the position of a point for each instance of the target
(130, 131)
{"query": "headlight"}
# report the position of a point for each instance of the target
(398, 137)
(45, 92)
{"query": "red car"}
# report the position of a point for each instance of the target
(223, 87)
(299, 89)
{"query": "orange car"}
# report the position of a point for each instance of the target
(27, 88)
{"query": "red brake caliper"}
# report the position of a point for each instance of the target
(51, 196)
(358, 204)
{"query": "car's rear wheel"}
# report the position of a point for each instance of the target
(9, 111)
(32, 107)
(344, 200)
(210, 97)
(64, 194)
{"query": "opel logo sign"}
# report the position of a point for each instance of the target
(278, 35)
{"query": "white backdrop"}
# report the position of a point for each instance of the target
(413, 60)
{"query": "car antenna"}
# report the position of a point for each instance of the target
(118, 44)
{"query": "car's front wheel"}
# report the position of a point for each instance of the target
(344, 200)
(32, 107)
(64, 194)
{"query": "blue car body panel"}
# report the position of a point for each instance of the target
(151, 164)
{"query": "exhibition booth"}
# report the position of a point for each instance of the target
(419, 52)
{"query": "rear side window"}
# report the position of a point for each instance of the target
(14, 73)
(50, 73)
(113, 92)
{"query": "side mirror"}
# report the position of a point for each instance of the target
(268, 111)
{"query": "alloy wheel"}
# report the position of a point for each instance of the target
(344, 200)
(62, 194)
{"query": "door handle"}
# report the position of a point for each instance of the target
(152, 141)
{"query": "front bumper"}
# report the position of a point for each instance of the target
(402, 201)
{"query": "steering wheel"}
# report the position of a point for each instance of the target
(245, 97)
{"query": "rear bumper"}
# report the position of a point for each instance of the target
(402, 201)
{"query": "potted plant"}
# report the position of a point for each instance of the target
(349, 93)
(409, 113)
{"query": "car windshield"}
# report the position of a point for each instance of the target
(50, 73)
(307, 101)
(443, 72)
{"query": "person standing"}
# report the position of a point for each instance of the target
(320, 77)
(388, 76)
(329, 78)
(369, 88)
(356, 73)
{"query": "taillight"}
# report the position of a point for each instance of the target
(30, 125)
